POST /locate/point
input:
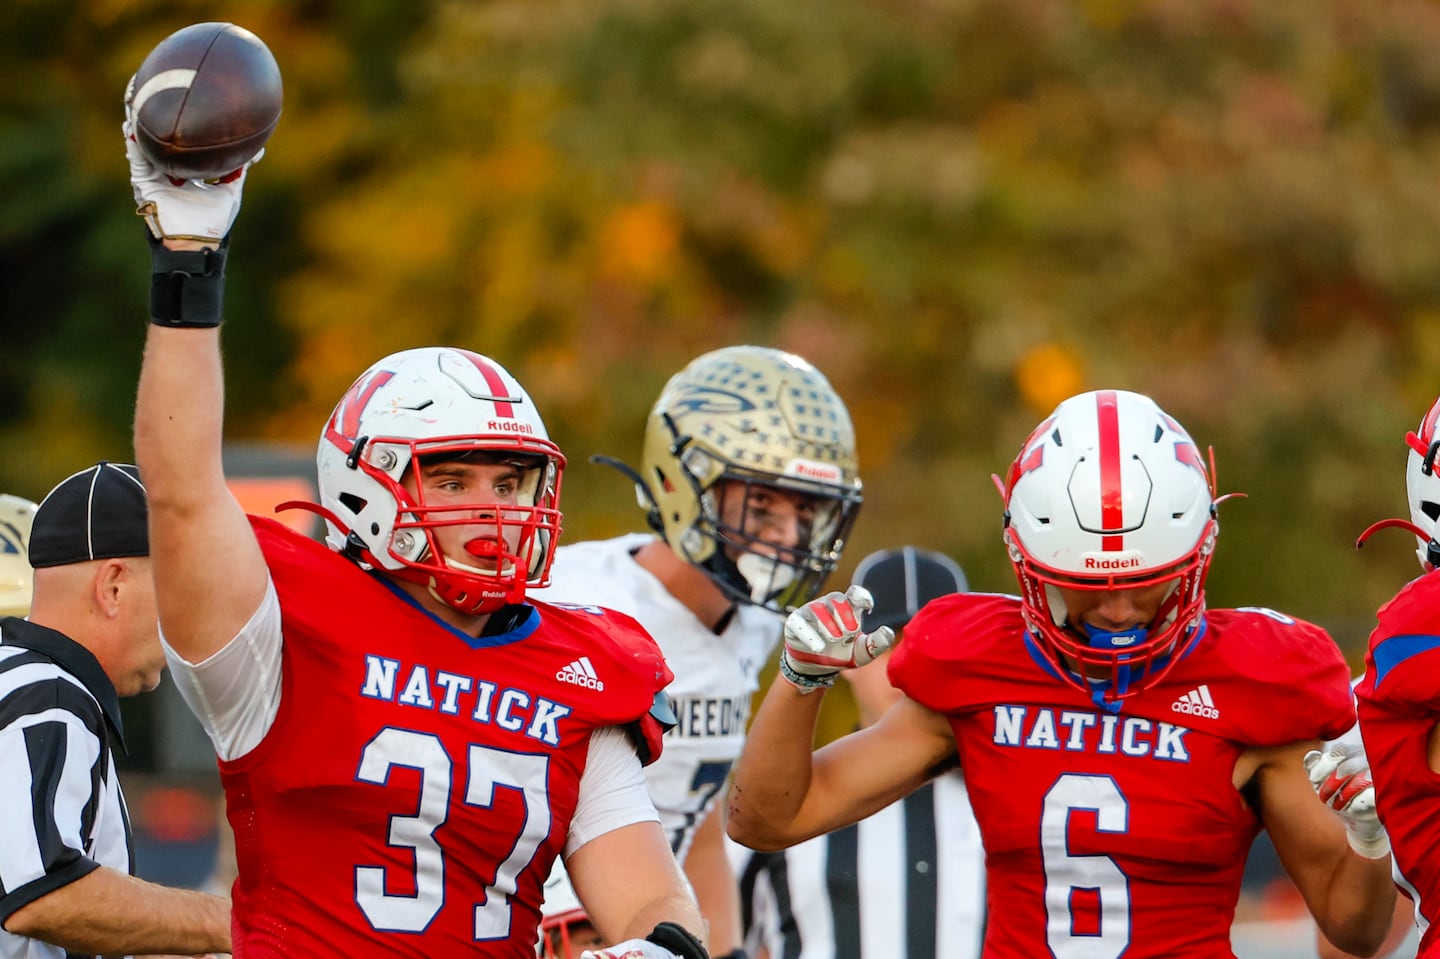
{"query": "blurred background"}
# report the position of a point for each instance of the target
(961, 210)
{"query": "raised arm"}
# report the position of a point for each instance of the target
(783, 793)
(1350, 894)
(209, 572)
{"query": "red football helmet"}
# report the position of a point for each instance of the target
(1110, 493)
(427, 405)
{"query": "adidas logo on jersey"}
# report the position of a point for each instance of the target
(1197, 702)
(580, 673)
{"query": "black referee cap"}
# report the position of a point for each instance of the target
(98, 513)
(902, 580)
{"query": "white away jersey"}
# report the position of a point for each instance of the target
(715, 676)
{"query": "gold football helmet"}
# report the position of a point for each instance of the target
(16, 516)
(758, 417)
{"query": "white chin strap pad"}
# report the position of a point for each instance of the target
(765, 576)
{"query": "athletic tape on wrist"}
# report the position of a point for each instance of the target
(1377, 848)
(805, 683)
(187, 287)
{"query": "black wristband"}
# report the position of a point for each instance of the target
(187, 287)
(678, 940)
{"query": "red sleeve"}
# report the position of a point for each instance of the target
(1403, 663)
(1276, 679)
(959, 650)
(635, 671)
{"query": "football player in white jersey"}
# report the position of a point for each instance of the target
(749, 482)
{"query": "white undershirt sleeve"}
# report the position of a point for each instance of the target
(612, 790)
(235, 692)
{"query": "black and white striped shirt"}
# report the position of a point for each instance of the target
(906, 883)
(60, 798)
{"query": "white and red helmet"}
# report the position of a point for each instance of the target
(1108, 493)
(438, 402)
(1422, 487)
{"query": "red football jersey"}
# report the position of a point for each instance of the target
(1116, 834)
(417, 782)
(1399, 705)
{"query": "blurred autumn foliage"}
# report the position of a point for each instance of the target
(961, 210)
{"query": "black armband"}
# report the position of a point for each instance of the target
(187, 287)
(677, 939)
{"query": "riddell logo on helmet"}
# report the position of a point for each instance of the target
(509, 426)
(1109, 562)
(809, 469)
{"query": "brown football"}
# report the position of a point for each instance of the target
(205, 100)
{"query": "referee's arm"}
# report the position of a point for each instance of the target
(106, 911)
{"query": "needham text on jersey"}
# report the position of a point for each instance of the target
(706, 716)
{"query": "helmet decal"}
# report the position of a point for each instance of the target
(343, 428)
(705, 399)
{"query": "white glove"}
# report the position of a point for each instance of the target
(823, 637)
(630, 949)
(202, 210)
(1341, 778)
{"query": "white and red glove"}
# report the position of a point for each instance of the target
(200, 210)
(1341, 778)
(823, 637)
(630, 949)
(669, 940)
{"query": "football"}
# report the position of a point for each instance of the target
(205, 100)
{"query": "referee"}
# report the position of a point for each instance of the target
(66, 883)
(906, 883)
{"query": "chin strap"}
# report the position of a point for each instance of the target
(1110, 641)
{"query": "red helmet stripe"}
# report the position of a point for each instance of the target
(1427, 426)
(1112, 499)
(498, 389)
(344, 426)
